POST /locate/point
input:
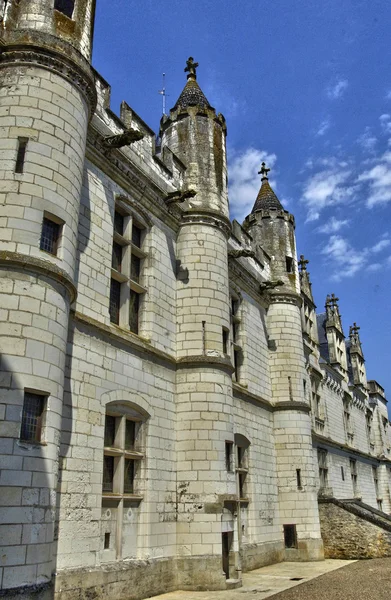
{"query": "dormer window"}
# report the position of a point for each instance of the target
(66, 7)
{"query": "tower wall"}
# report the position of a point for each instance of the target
(45, 100)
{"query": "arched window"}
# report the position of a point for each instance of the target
(66, 7)
(122, 487)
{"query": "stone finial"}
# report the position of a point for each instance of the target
(354, 335)
(303, 263)
(264, 171)
(191, 68)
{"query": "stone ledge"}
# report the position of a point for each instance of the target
(44, 267)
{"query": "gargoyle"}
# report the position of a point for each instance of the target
(129, 136)
(241, 252)
(270, 285)
(179, 196)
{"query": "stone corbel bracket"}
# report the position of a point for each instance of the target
(245, 252)
(179, 196)
(270, 285)
(129, 136)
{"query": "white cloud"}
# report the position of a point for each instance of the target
(347, 260)
(244, 181)
(380, 245)
(338, 89)
(326, 188)
(323, 127)
(379, 180)
(367, 140)
(372, 268)
(333, 225)
(385, 122)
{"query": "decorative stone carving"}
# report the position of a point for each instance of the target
(129, 136)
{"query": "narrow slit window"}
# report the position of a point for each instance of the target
(225, 341)
(32, 416)
(289, 264)
(107, 541)
(66, 7)
(298, 479)
(228, 456)
(21, 154)
(50, 236)
(342, 474)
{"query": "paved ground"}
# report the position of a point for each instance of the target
(363, 580)
(269, 581)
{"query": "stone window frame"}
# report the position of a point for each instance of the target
(234, 334)
(130, 288)
(57, 251)
(118, 498)
(369, 428)
(61, 6)
(242, 450)
(41, 439)
(354, 475)
(347, 419)
(323, 468)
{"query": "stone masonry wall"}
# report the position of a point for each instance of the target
(348, 536)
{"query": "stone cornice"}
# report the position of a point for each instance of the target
(197, 360)
(291, 405)
(14, 260)
(118, 167)
(239, 391)
(348, 449)
(285, 297)
(31, 55)
(126, 337)
(249, 283)
(207, 217)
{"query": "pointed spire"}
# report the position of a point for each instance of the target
(266, 199)
(191, 95)
(332, 312)
(305, 283)
(354, 337)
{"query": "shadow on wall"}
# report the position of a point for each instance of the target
(27, 495)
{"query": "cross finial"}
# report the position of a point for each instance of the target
(354, 329)
(334, 300)
(191, 67)
(264, 171)
(303, 263)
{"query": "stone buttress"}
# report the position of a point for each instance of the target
(272, 228)
(47, 94)
(196, 135)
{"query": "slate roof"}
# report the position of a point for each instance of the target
(266, 199)
(192, 95)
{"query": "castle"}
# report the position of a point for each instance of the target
(173, 411)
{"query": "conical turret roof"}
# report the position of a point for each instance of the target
(191, 95)
(266, 199)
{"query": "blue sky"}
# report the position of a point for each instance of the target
(306, 86)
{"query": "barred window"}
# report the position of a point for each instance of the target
(50, 236)
(65, 6)
(122, 485)
(323, 468)
(32, 417)
(127, 269)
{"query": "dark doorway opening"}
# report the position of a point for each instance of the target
(226, 544)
